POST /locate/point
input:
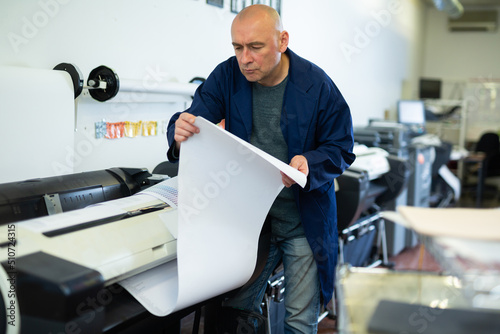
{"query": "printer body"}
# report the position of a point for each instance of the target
(399, 140)
(366, 188)
(62, 268)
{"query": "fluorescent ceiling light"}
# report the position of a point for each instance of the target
(453, 8)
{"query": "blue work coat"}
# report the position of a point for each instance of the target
(316, 123)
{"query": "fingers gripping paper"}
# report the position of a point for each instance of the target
(226, 188)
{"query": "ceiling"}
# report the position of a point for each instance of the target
(486, 3)
(480, 2)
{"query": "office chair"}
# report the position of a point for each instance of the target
(489, 143)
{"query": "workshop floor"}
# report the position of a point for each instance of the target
(415, 258)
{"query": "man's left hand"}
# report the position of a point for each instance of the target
(298, 162)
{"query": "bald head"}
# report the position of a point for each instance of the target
(262, 13)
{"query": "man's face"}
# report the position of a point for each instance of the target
(257, 46)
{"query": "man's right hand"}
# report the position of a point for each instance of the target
(184, 128)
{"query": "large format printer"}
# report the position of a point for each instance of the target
(374, 180)
(45, 196)
(65, 275)
(392, 137)
(397, 139)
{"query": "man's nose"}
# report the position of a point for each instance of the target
(246, 56)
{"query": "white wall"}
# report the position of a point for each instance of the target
(459, 55)
(371, 49)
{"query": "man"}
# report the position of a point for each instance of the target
(290, 108)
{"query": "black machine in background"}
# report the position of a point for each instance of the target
(397, 139)
(360, 201)
(390, 136)
(425, 187)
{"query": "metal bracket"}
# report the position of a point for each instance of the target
(53, 203)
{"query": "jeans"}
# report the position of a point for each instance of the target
(302, 290)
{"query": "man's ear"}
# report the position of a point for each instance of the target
(283, 39)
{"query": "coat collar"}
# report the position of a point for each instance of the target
(298, 105)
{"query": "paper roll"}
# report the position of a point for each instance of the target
(36, 123)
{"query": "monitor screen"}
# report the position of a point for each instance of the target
(411, 112)
(430, 89)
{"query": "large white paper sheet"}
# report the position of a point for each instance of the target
(225, 190)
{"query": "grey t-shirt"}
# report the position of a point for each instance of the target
(267, 135)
